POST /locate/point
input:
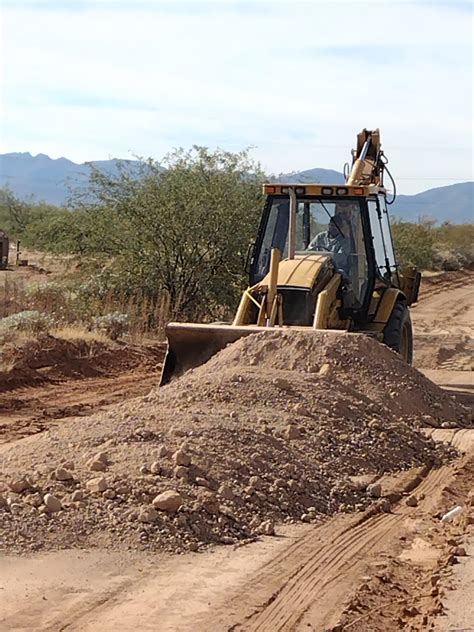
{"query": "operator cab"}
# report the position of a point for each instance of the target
(349, 225)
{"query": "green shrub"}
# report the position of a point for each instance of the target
(28, 321)
(113, 325)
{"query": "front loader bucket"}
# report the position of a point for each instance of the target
(190, 345)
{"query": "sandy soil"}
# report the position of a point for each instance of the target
(69, 378)
(389, 570)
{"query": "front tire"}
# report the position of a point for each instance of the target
(398, 332)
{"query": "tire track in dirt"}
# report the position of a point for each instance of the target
(320, 568)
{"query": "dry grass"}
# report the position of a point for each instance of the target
(69, 308)
(10, 342)
(76, 332)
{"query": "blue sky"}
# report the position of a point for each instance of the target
(294, 80)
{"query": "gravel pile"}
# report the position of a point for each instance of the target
(275, 428)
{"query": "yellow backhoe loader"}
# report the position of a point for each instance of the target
(323, 259)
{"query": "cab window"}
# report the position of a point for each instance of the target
(381, 237)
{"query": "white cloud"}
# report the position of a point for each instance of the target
(297, 79)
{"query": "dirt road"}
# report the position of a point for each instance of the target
(72, 379)
(388, 568)
(308, 578)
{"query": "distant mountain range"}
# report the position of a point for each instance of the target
(45, 179)
(51, 181)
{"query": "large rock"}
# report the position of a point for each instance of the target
(52, 503)
(97, 485)
(19, 485)
(168, 501)
(374, 490)
(180, 457)
(97, 465)
(62, 474)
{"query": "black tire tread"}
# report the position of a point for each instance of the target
(392, 334)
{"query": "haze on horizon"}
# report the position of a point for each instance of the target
(94, 79)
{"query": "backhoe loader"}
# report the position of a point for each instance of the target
(323, 259)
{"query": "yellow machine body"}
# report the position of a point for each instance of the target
(305, 291)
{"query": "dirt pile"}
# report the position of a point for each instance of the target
(50, 359)
(276, 427)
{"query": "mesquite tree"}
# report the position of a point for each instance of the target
(181, 227)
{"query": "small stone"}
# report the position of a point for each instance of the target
(411, 501)
(147, 514)
(102, 456)
(233, 414)
(77, 496)
(202, 482)
(96, 465)
(226, 492)
(62, 474)
(281, 383)
(169, 500)
(292, 432)
(180, 457)
(109, 494)
(266, 528)
(132, 514)
(434, 579)
(181, 472)
(374, 490)
(35, 499)
(97, 485)
(144, 469)
(324, 370)
(52, 503)
(459, 551)
(162, 451)
(255, 482)
(208, 501)
(301, 410)
(155, 467)
(19, 485)
(68, 465)
(122, 489)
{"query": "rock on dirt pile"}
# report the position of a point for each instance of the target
(276, 427)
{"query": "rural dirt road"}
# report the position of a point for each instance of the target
(76, 381)
(393, 569)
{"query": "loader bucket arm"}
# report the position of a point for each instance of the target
(367, 166)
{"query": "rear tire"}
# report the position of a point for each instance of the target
(398, 332)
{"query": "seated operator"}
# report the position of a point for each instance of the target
(335, 240)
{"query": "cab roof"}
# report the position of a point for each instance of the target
(319, 189)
